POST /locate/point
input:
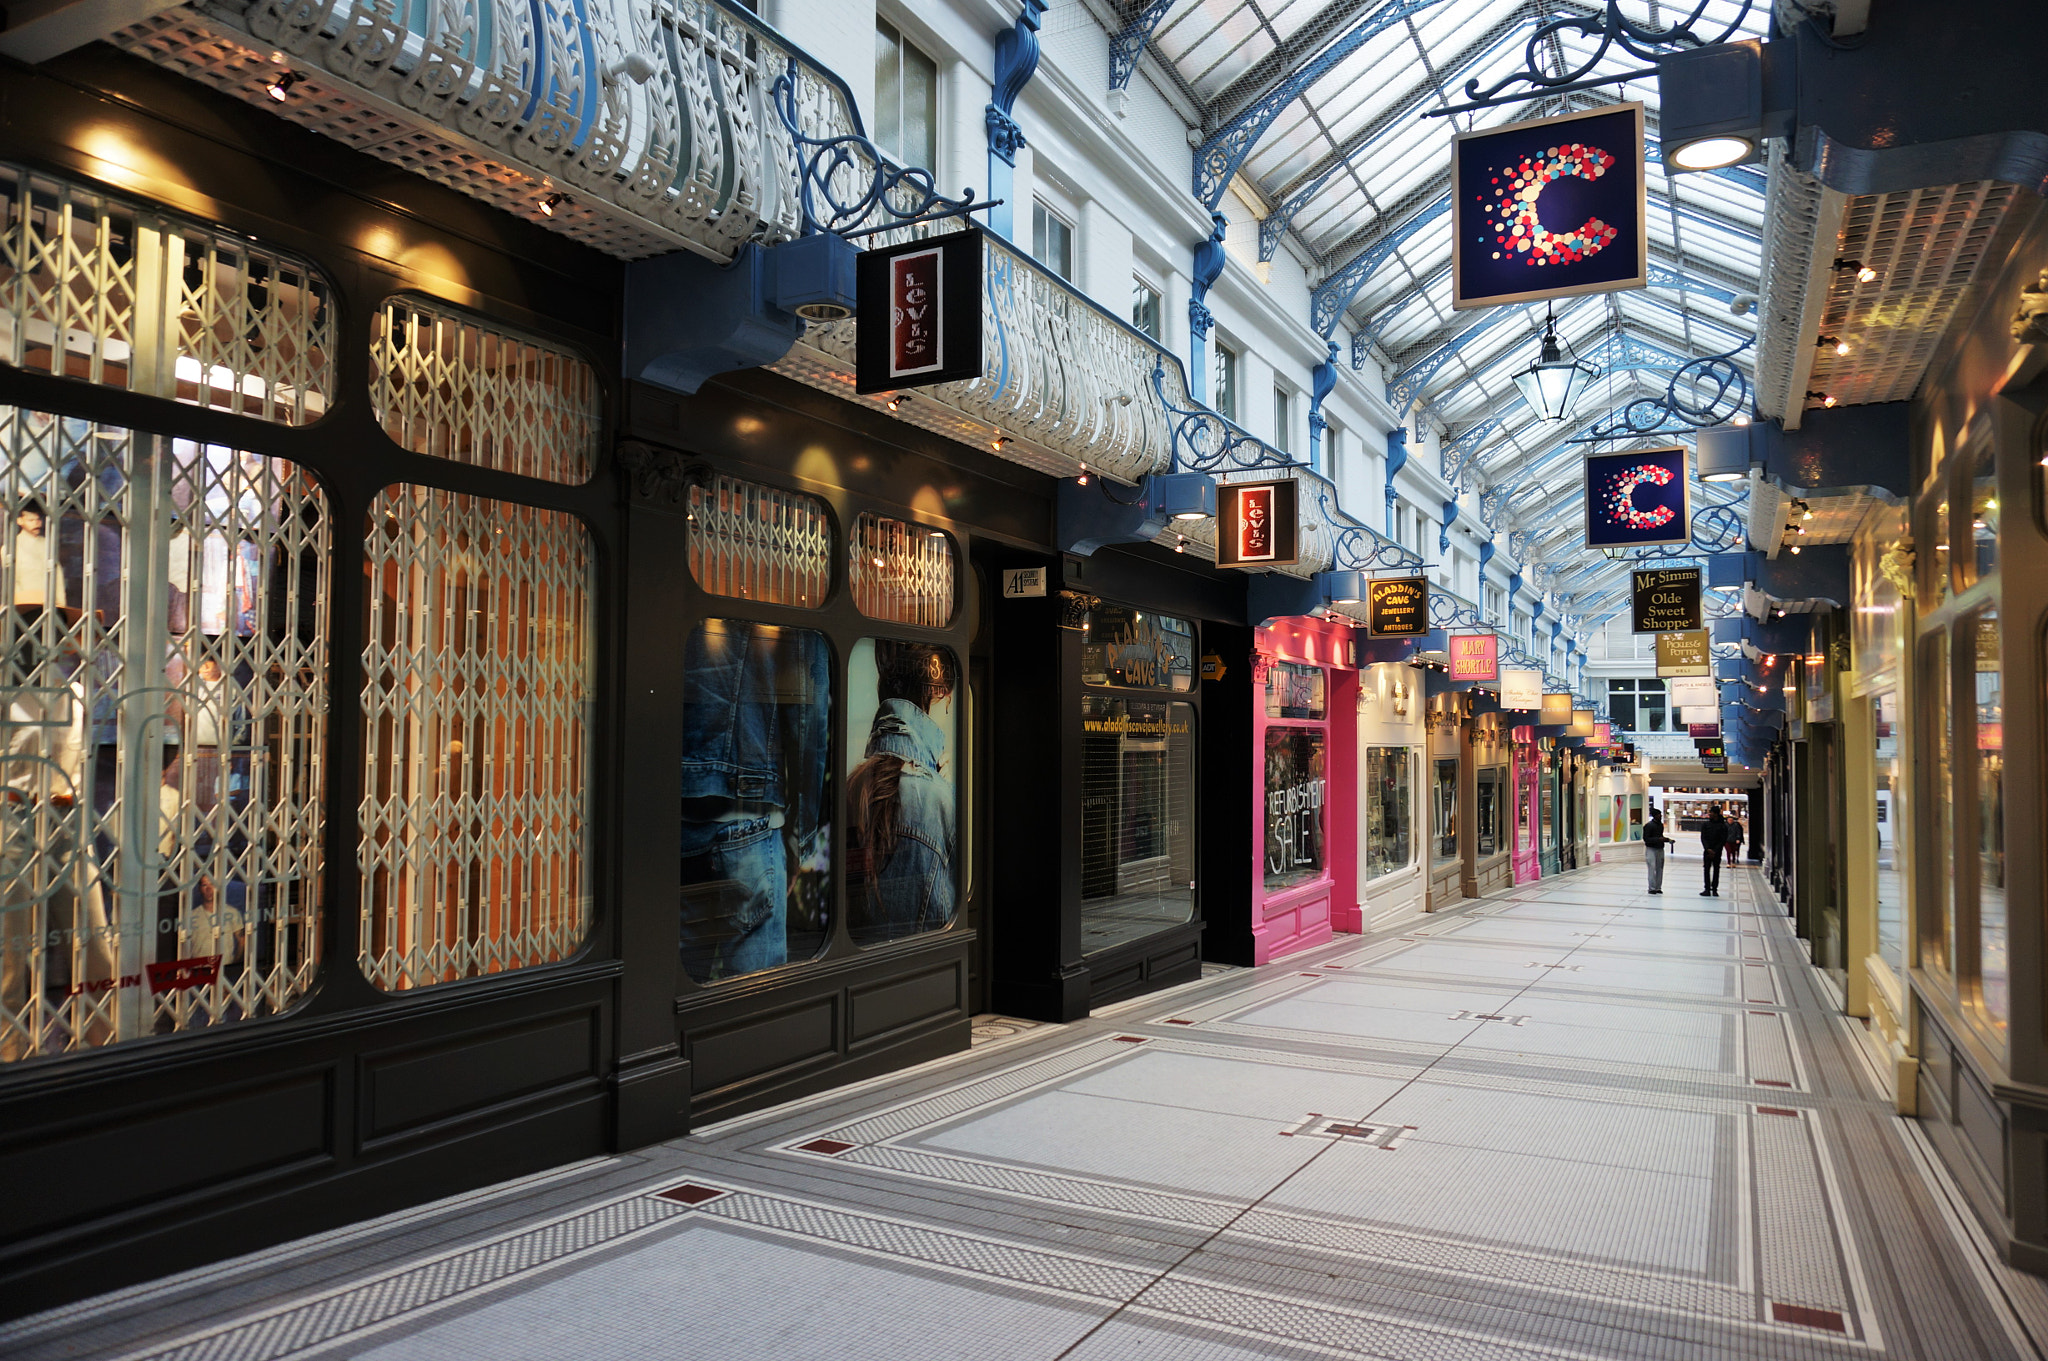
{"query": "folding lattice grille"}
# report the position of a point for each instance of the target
(474, 844)
(163, 674)
(100, 290)
(458, 389)
(760, 543)
(901, 571)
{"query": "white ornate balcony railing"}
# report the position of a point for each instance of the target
(635, 126)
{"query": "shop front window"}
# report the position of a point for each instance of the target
(902, 788)
(756, 797)
(474, 827)
(163, 666)
(1938, 930)
(1294, 805)
(1294, 691)
(1549, 808)
(900, 572)
(1635, 817)
(1387, 824)
(759, 543)
(1488, 829)
(1137, 818)
(1891, 898)
(1444, 812)
(1136, 649)
(1987, 724)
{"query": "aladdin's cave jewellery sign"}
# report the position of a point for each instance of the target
(1667, 599)
(1549, 209)
(1397, 607)
(1256, 524)
(920, 313)
(1637, 498)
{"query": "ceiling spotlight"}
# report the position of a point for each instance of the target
(280, 86)
(1080, 480)
(1182, 545)
(1741, 418)
(552, 202)
(896, 402)
(1835, 343)
(1865, 275)
(1711, 153)
(1823, 398)
(1841, 347)
(1795, 550)
(1827, 401)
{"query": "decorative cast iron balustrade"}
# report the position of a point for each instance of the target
(1544, 69)
(636, 126)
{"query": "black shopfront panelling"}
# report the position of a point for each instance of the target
(160, 1153)
(851, 1010)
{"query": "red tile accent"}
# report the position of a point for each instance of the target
(1309, 975)
(689, 1193)
(1765, 1001)
(1763, 1013)
(1128, 1039)
(1178, 1022)
(829, 1147)
(1810, 1318)
(1769, 1082)
(1776, 1110)
(1329, 966)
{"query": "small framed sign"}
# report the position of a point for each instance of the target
(1685, 654)
(1556, 709)
(1475, 656)
(1549, 208)
(1521, 688)
(1666, 599)
(1022, 582)
(920, 313)
(1397, 607)
(1257, 524)
(1638, 498)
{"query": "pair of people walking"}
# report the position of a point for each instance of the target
(1718, 835)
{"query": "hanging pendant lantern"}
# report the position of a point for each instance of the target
(1553, 383)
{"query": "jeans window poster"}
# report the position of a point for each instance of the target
(901, 788)
(756, 797)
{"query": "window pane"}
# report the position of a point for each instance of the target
(1937, 930)
(1891, 900)
(920, 108)
(475, 833)
(756, 797)
(1137, 818)
(152, 303)
(901, 788)
(888, 89)
(758, 542)
(1987, 722)
(900, 571)
(1282, 420)
(1488, 830)
(449, 387)
(1226, 382)
(1145, 308)
(1444, 821)
(1060, 240)
(1294, 806)
(1386, 810)
(1136, 649)
(164, 738)
(1294, 691)
(1983, 560)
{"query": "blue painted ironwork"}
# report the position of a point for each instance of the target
(1354, 545)
(1662, 276)
(1016, 62)
(1443, 533)
(1409, 383)
(1361, 350)
(1322, 382)
(1208, 267)
(1220, 157)
(1326, 305)
(1397, 459)
(848, 184)
(1205, 442)
(1127, 46)
(1612, 29)
(1710, 390)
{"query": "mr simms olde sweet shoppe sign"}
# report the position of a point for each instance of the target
(1667, 599)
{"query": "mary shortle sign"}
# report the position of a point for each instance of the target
(1637, 498)
(1549, 209)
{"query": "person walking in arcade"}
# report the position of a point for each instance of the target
(1653, 849)
(1713, 840)
(1734, 841)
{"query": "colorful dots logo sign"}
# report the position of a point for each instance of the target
(1549, 208)
(1636, 498)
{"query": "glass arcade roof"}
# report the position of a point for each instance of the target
(1349, 160)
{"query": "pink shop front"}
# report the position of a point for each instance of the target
(1304, 720)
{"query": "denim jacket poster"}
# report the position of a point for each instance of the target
(900, 788)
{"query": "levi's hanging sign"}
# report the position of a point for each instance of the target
(1256, 524)
(1667, 599)
(919, 313)
(1549, 209)
(1637, 498)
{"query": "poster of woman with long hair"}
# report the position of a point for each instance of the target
(900, 790)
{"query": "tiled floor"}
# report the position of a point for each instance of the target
(1563, 1122)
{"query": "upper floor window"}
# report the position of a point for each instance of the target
(1638, 705)
(1283, 419)
(759, 542)
(1225, 375)
(1145, 308)
(1496, 602)
(906, 98)
(900, 571)
(1333, 446)
(1052, 240)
